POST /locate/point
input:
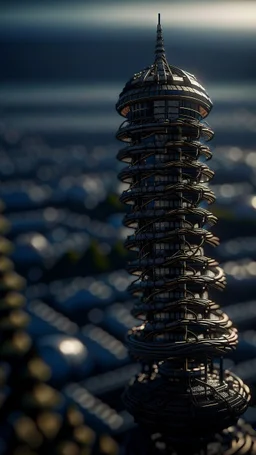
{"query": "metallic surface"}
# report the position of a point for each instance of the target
(184, 335)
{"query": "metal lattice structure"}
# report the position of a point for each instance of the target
(183, 335)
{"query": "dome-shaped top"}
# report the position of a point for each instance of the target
(162, 80)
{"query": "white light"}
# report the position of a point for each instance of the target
(224, 16)
(253, 202)
(251, 267)
(73, 347)
(227, 190)
(39, 242)
(251, 159)
(235, 153)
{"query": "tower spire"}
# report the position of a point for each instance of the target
(160, 51)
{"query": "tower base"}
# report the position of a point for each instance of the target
(197, 410)
(235, 440)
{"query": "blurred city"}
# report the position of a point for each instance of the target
(62, 69)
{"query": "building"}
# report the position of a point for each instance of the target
(183, 388)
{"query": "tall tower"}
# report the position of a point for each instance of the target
(182, 388)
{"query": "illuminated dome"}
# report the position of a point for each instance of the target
(167, 83)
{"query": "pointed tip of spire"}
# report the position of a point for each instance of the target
(160, 51)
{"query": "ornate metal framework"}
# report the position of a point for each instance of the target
(182, 388)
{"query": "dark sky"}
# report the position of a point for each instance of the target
(52, 45)
(105, 41)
